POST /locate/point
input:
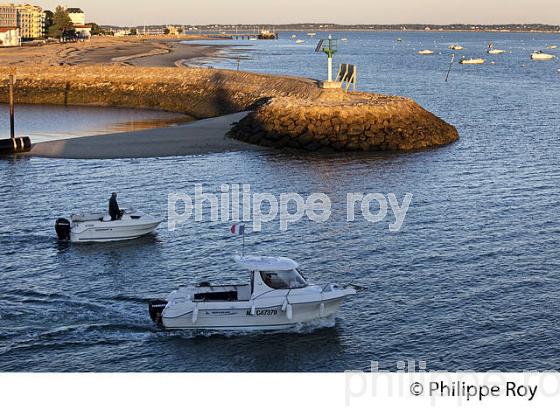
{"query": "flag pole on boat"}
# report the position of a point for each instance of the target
(239, 229)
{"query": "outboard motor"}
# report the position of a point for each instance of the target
(62, 228)
(156, 308)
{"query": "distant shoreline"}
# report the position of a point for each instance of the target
(420, 31)
(231, 29)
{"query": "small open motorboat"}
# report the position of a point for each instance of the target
(539, 55)
(456, 47)
(300, 41)
(277, 297)
(98, 227)
(425, 52)
(472, 61)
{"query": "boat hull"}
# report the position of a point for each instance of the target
(475, 61)
(542, 57)
(244, 317)
(112, 232)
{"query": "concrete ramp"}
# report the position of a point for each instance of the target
(198, 137)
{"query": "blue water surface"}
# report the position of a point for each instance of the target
(470, 282)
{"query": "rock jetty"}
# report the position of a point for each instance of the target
(344, 122)
(287, 111)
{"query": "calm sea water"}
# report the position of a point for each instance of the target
(471, 282)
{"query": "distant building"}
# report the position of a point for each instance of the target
(28, 18)
(8, 15)
(77, 16)
(83, 31)
(9, 37)
(151, 31)
(122, 33)
(173, 30)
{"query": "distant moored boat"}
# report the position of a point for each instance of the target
(456, 47)
(472, 61)
(539, 55)
(425, 52)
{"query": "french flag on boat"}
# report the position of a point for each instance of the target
(238, 229)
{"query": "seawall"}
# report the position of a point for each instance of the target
(199, 92)
(288, 111)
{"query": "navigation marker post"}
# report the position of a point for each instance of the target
(450, 65)
(328, 46)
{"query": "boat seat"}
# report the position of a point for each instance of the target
(86, 217)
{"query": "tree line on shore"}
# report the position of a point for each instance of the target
(58, 24)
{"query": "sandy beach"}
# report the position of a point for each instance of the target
(153, 51)
(198, 137)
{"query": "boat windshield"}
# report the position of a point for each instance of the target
(283, 279)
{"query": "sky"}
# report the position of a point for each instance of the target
(140, 12)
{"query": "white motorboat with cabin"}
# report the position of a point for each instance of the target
(539, 55)
(456, 47)
(277, 297)
(98, 227)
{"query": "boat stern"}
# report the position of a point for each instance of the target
(155, 308)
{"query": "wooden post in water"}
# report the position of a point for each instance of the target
(450, 65)
(13, 145)
(12, 125)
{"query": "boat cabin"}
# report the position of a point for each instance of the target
(267, 274)
(271, 273)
